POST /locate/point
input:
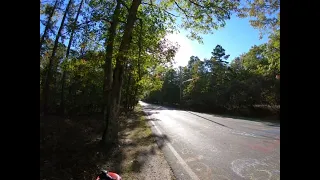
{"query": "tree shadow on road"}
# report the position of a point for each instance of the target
(70, 148)
(152, 119)
(137, 143)
(270, 121)
(266, 122)
(209, 120)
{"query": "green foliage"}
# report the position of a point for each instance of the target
(147, 57)
(200, 16)
(265, 14)
(247, 83)
(148, 72)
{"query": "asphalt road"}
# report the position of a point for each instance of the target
(204, 146)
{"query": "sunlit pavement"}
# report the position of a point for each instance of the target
(204, 146)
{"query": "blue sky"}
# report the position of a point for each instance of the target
(237, 37)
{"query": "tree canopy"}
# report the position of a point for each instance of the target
(102, 56)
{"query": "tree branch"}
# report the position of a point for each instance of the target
(108, 20)
(124, 4)
(161, 9)
(199, 5)
(184, 11)
(196, 4)
(104, 19)
(86, 22)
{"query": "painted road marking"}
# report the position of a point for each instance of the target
(175, 153)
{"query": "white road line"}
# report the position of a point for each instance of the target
(181, 161)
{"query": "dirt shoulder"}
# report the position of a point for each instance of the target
(70, 149)
(142, 157)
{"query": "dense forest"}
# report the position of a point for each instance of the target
(247, 86)
(102, 56)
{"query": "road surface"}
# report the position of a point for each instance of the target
(204, 146)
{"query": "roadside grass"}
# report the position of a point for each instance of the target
(137, 143)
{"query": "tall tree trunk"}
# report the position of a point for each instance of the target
(113, 108)
(107, 80)
(85, 38)
(140, 48)
(132, 102)
(48, 24)
(67, 55)
(127, 105)
(46, 88)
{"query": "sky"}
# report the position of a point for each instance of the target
(237, 37)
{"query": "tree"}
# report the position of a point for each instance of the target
(219, 54)
(255, 59)
(46, 88)
(107, 81)
(117, 54)
(217, 87)
(265, 14)
(273, 53)
(113, 103)
(73, 29)
(50, 10)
